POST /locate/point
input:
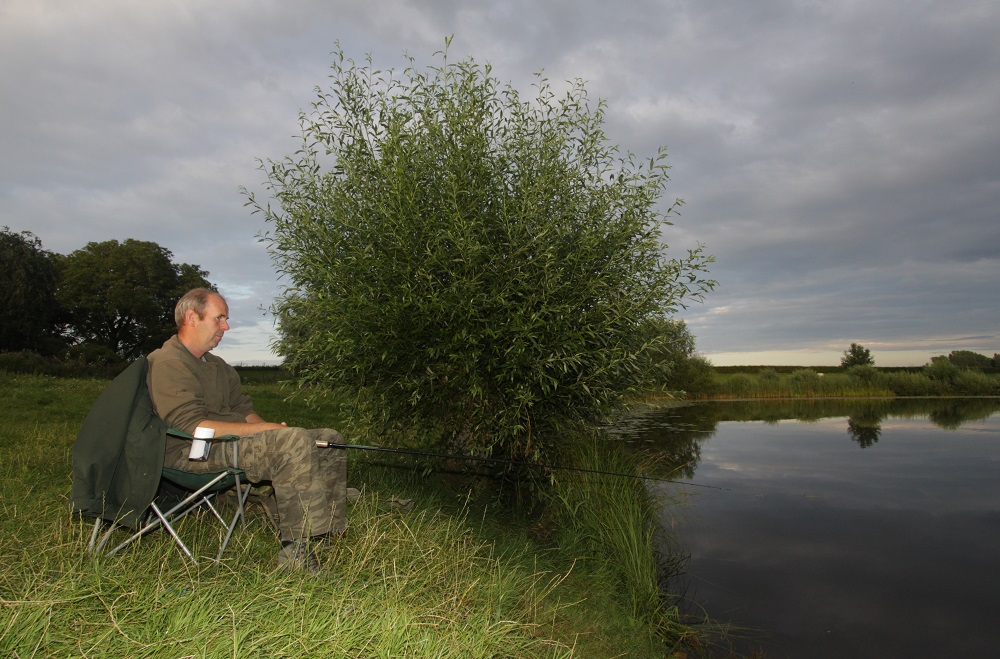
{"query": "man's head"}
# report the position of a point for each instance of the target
(202, 317)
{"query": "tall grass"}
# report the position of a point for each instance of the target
(863, 382)
(415, 585)
(456, 576)
(801, 383)
(613, 521)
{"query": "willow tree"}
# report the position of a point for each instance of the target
(481, 268)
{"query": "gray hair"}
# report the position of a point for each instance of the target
(194, 300)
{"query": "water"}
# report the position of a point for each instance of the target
(869, 529)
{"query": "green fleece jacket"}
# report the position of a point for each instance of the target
(118, 452)
(187, 390)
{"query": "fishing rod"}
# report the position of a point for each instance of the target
(322, 443)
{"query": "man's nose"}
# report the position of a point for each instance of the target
(225, 325)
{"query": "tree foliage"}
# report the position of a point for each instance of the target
(27, 294)
(857, 355)
(481, 267)
(121, 296)
(969, 359)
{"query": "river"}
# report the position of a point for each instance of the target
(841, 528)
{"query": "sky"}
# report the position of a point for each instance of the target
(840, 159)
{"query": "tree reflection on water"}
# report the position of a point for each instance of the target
(671, 436)
(864, 431)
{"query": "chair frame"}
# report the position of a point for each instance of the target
(202, 496)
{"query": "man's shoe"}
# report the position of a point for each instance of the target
(296, 555)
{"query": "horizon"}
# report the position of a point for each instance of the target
(760, 359)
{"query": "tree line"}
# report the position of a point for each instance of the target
(105, 302)
(858, 355)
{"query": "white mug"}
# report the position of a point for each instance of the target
(200, 445)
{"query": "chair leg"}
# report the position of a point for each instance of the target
(156, 517)
(163, 517)
(241, 496)
(105, 538)
(93, 535)
(173, 533)
(241, 500)
(208, 502)
(147, 527)
(240, 517)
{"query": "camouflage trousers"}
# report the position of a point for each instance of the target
(310, 483)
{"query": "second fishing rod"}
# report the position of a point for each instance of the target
(505, 461)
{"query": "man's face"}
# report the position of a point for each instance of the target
(207, 331)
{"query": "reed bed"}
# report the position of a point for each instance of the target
(860, 382)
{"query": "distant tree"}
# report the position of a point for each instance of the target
(27, 294)
(482, 267)
(121, 295)
(857, 355)
(969, 359)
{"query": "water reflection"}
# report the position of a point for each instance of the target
(861, 528)
(864, 430)
(674, 433)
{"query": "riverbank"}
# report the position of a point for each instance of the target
(937, 379)
(457, 574)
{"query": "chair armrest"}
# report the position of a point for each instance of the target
(180, 434)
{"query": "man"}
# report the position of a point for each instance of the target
(191, 387)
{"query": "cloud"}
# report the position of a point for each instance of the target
(837, 158)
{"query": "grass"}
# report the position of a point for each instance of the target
(459, 575)
(147, 604)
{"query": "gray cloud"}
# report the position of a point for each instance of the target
(837, 158)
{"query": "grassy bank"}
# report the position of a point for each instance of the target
(457, 575)
(938, 379)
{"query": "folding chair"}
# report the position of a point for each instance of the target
(196, 491)
(118, 469)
